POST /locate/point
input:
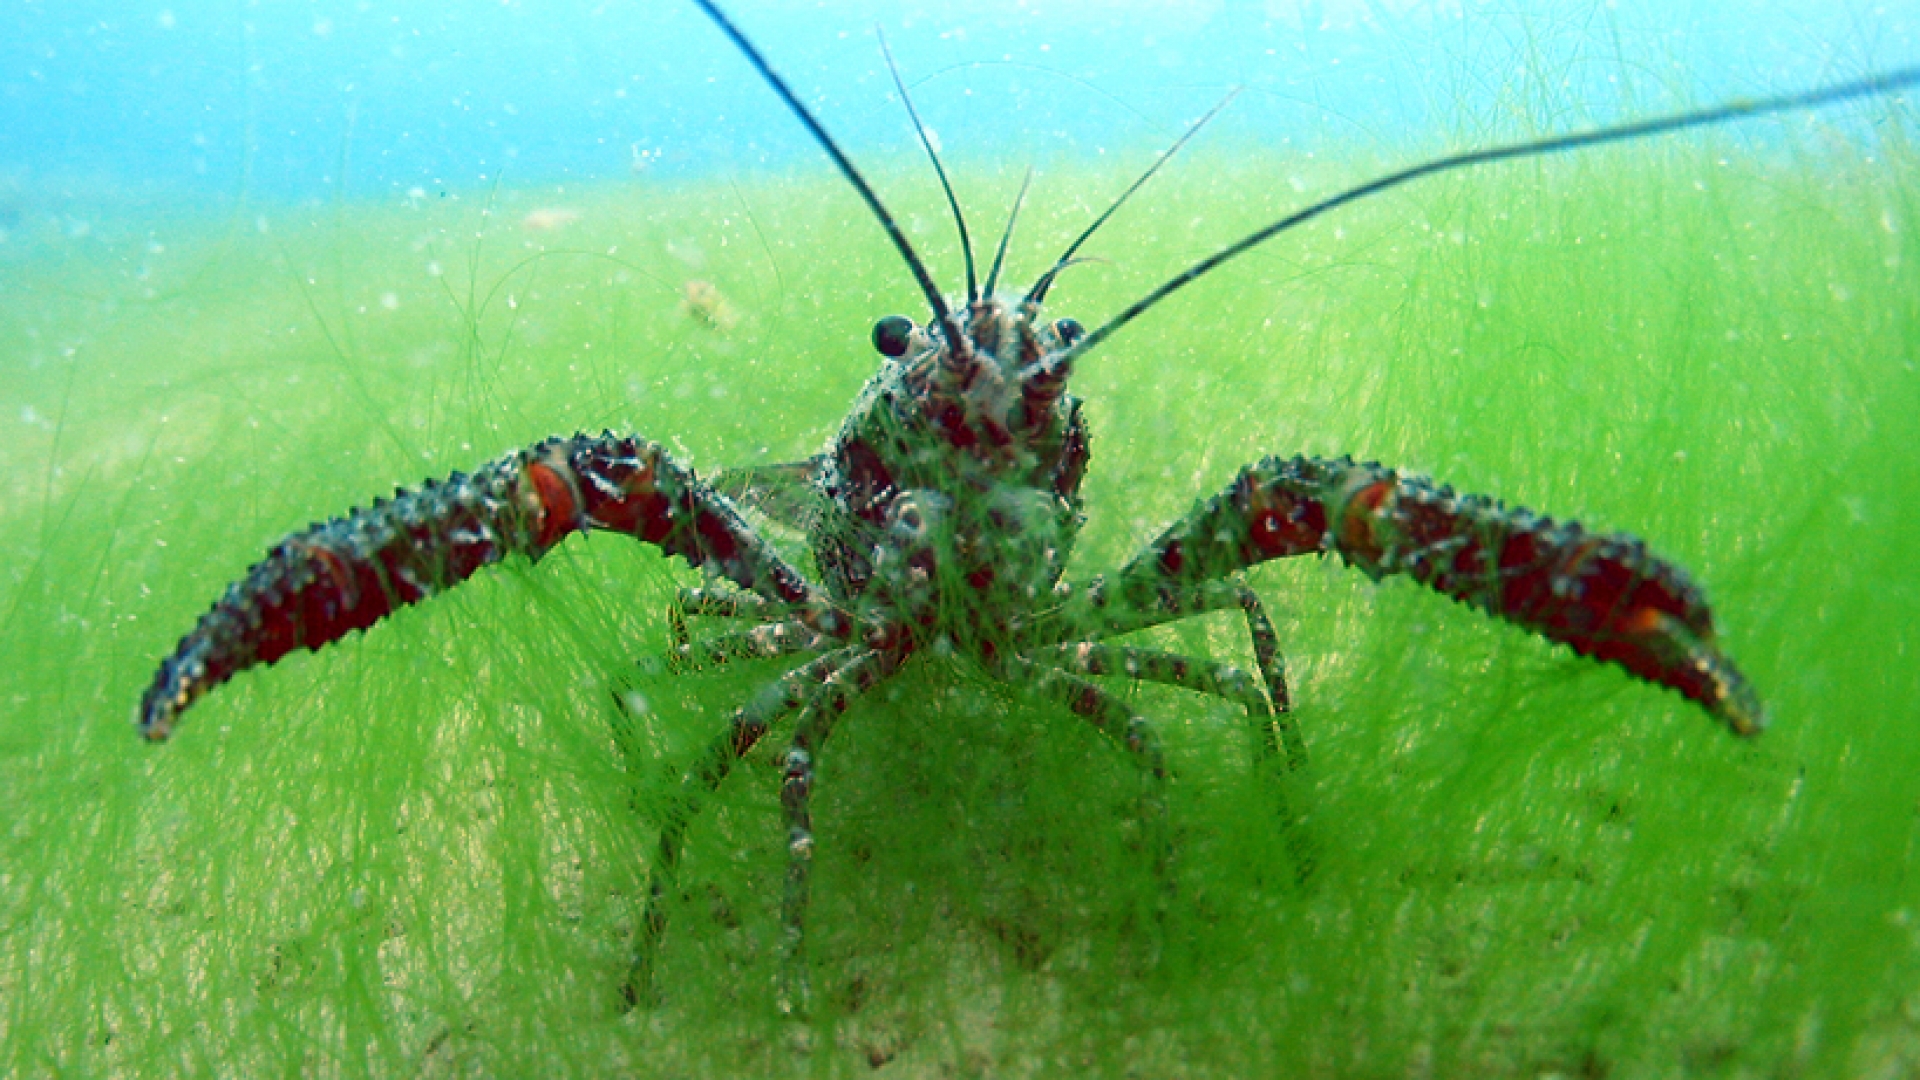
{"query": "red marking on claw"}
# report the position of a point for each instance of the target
(640, 509)
(1173, 557)
(1283, 523)
(716, 540)
(1642, 621)
(1469, 564)
(1528, 579)
(1357, 521)
(643, 513)
(557, 510)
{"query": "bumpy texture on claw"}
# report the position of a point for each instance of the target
(345, 574)
(1606, 596)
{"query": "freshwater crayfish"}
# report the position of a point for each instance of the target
(942, 516)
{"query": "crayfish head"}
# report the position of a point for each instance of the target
(950, 484)
(985, 370)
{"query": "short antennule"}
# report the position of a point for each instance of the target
(941, 313)
(1000, 253)
(1038, 294)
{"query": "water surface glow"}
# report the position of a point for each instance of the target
(218, 100)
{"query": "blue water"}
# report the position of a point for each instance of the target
(278, 101)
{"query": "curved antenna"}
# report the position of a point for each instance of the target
(941, 314)
(1000, 254)
(1038, 294)
(920, 129)
(1739, 108)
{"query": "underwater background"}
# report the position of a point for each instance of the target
(259, 263)
(274, 103)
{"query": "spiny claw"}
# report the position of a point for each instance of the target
(1698, 669)
(180, 682)
(1733, 700)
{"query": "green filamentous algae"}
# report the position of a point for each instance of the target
(424, 850)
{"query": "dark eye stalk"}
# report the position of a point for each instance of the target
(892, 335)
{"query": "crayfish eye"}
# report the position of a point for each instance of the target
(1069, 331)
(892, 334)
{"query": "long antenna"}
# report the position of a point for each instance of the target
(941, 314)
(1739, 108)
(1038, 294)
(920, 129)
